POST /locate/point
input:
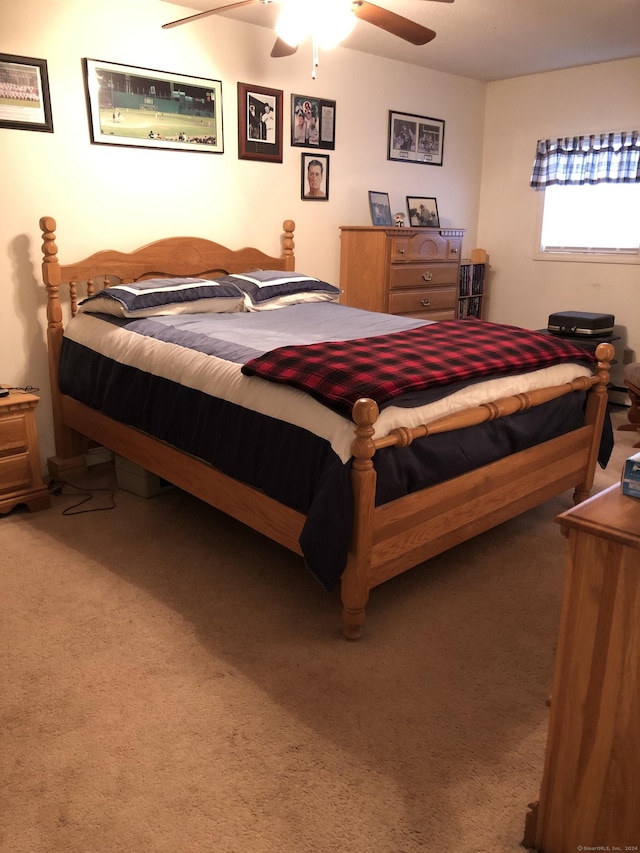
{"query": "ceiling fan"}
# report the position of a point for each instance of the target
(329, 12)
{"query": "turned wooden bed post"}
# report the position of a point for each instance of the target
(355, 583)
(594, 416)
(69, 445)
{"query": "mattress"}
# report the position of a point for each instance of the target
(179, 378)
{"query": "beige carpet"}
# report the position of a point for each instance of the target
(174, 682)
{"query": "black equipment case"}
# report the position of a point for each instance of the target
(580, 324)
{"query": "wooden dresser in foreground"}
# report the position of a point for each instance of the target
(590, 794)
(20, 477)
(409, 271)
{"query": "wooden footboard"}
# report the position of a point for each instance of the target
(391, 538)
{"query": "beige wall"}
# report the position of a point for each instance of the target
(122, 198)
(590, 99)
(103, 196)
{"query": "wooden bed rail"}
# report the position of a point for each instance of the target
(365, 412)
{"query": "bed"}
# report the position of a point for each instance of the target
(361, 488)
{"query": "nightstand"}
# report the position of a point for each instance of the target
(20, 477)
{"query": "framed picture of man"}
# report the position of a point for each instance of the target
(259, 123)
(314, 177)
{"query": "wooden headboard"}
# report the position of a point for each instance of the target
(172, 256)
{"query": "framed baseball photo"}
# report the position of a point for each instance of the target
(259, 123)
(24, 93)
(415, 139)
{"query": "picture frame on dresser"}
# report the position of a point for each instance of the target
(423, 211)
(415, 139)
(380, 208)
(25, 103)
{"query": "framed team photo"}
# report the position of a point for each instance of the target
(24, 93)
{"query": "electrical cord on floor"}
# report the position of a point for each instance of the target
(57, 487)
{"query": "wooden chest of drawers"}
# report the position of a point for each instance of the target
(20, 476)
(410, 271)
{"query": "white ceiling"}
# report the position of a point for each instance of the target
(483, 39)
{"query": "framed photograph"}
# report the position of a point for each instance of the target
(314, 177)
(259, 123)
(415, 139)
(24, 93)
(423, 211)
(313, 122)
(380, 208)
(145, 108)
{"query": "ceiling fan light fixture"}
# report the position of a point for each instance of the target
(334, 24)
(327, 21)
(294, 21)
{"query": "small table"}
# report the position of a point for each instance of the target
(20, 476)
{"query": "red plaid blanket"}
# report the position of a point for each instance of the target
(340, 372)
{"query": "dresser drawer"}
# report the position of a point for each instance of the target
(13, 435)
(422, 247)
(15, 473)
(423, 275)
(426, 301)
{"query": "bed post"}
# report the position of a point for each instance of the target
(69, 448)
(596, 410)
(288, 244)
(355, 579)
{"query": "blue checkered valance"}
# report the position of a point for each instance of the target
(612, 158)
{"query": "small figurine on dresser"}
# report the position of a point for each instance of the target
(399, 220)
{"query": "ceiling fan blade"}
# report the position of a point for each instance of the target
(392, 23)
(209, 12)
(281, 48)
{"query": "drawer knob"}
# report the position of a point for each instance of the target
(403, 251)
(426, 302)
(454, 251)
(427, 276)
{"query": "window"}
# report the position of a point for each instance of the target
(592, 219)
(591, 197)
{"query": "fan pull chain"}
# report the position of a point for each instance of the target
(316, 61)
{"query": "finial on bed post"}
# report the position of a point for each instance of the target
(50, 265)
(288, 244)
